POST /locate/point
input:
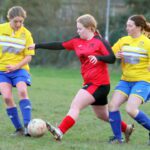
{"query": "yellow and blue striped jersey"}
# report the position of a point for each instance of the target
(136, 57)
(14, 46)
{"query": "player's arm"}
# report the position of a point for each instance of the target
(117, 49)
(48, 46)
(68, 45)
(25, 61)
(109, 57)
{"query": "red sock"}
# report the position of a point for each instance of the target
(66, 124)
(123, 126)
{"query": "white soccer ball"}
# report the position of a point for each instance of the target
(37, 127)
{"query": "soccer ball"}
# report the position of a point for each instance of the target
(37, 127)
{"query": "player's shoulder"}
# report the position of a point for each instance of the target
(99, 38)
(125, 38)
(146, 40)
(24, 29)
(145, 37)
(73, 39)
(25, 33)
(4, 25)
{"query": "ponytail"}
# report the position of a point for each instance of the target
(146, 30)
(98, 33)
(147, 27)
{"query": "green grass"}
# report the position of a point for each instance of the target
(51, 93)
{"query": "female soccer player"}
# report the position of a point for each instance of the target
(134, 86)
(94, 53)
(14, 68)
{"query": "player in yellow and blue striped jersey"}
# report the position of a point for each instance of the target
(14, 68)
(134, 86)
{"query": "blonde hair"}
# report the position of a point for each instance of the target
(16, 11)
(88, 21)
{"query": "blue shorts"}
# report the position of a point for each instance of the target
(16, 76)
(140, 89)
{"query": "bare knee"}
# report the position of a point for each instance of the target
(22, 94)
(112, 106)
(9, 101)
(103, 117)
(131, 111)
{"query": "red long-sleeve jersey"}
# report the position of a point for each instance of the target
(97, 46)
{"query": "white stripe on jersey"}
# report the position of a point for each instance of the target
(12, 45)
(12, 40)
(134, 51)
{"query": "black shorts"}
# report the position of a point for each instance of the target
(100, 93)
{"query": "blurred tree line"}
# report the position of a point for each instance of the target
(54, 20)
(118, 22)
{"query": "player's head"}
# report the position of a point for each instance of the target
(86, 23)
(16, 16)
(137, 23)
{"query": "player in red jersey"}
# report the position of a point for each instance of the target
(94, 53)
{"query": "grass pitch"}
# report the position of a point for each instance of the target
(51, 93)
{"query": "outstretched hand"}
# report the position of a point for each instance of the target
(31, 47)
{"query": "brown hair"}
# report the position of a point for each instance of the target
(140, 21)
(15, 12)
(88, 21)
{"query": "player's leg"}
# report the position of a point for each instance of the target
(132, 109)
(100, 106)
(6, 90)
(25, 104)
(80, 101)
(102, 113)
(139, 94)
(21, 80)
(118, 98)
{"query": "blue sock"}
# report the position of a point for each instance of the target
(25, 107)
(13, 115)
(143, 119)
(115, 122)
